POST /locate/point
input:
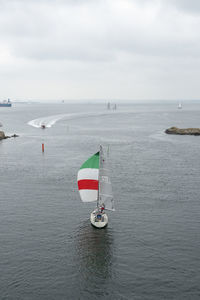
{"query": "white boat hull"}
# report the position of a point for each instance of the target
(96, 222)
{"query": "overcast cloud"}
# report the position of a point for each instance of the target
(99, 49)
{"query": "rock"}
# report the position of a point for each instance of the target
(2, 135)
(183, 131)
(14, 135)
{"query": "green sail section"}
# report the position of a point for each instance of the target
(92, 162)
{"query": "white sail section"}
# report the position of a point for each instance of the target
(88, 195)
(105, 187)
(88, 173)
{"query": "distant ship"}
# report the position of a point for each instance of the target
(6, 103)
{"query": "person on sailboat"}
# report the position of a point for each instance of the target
(99, 212)
(102, 208)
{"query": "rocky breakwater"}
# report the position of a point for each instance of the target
(3, 136)
(183, 131)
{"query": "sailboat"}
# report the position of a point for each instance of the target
(179, 105)
(95, 186)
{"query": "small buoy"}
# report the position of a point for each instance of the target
(42, 147)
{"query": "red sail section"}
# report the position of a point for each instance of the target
(88, 184)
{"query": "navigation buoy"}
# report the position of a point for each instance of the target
(42, 147)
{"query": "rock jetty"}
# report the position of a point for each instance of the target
(3, 136)
(183, 131)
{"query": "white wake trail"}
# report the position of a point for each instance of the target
(47, 121)
(51, 120)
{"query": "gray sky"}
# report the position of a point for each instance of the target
(99, 49)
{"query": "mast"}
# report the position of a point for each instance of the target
(99, 175)
(98, 195)
(105, 187)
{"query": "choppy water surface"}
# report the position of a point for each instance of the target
(150, 250)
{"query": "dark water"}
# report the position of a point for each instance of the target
(150, 250)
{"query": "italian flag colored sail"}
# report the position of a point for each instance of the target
(88, 179)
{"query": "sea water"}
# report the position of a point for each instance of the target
(150, 249)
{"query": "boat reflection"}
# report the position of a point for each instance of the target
(95, 254)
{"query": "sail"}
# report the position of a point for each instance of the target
(88, 179)
(105, 187)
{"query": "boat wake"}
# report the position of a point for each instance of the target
(46, 121)
(51, 120)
